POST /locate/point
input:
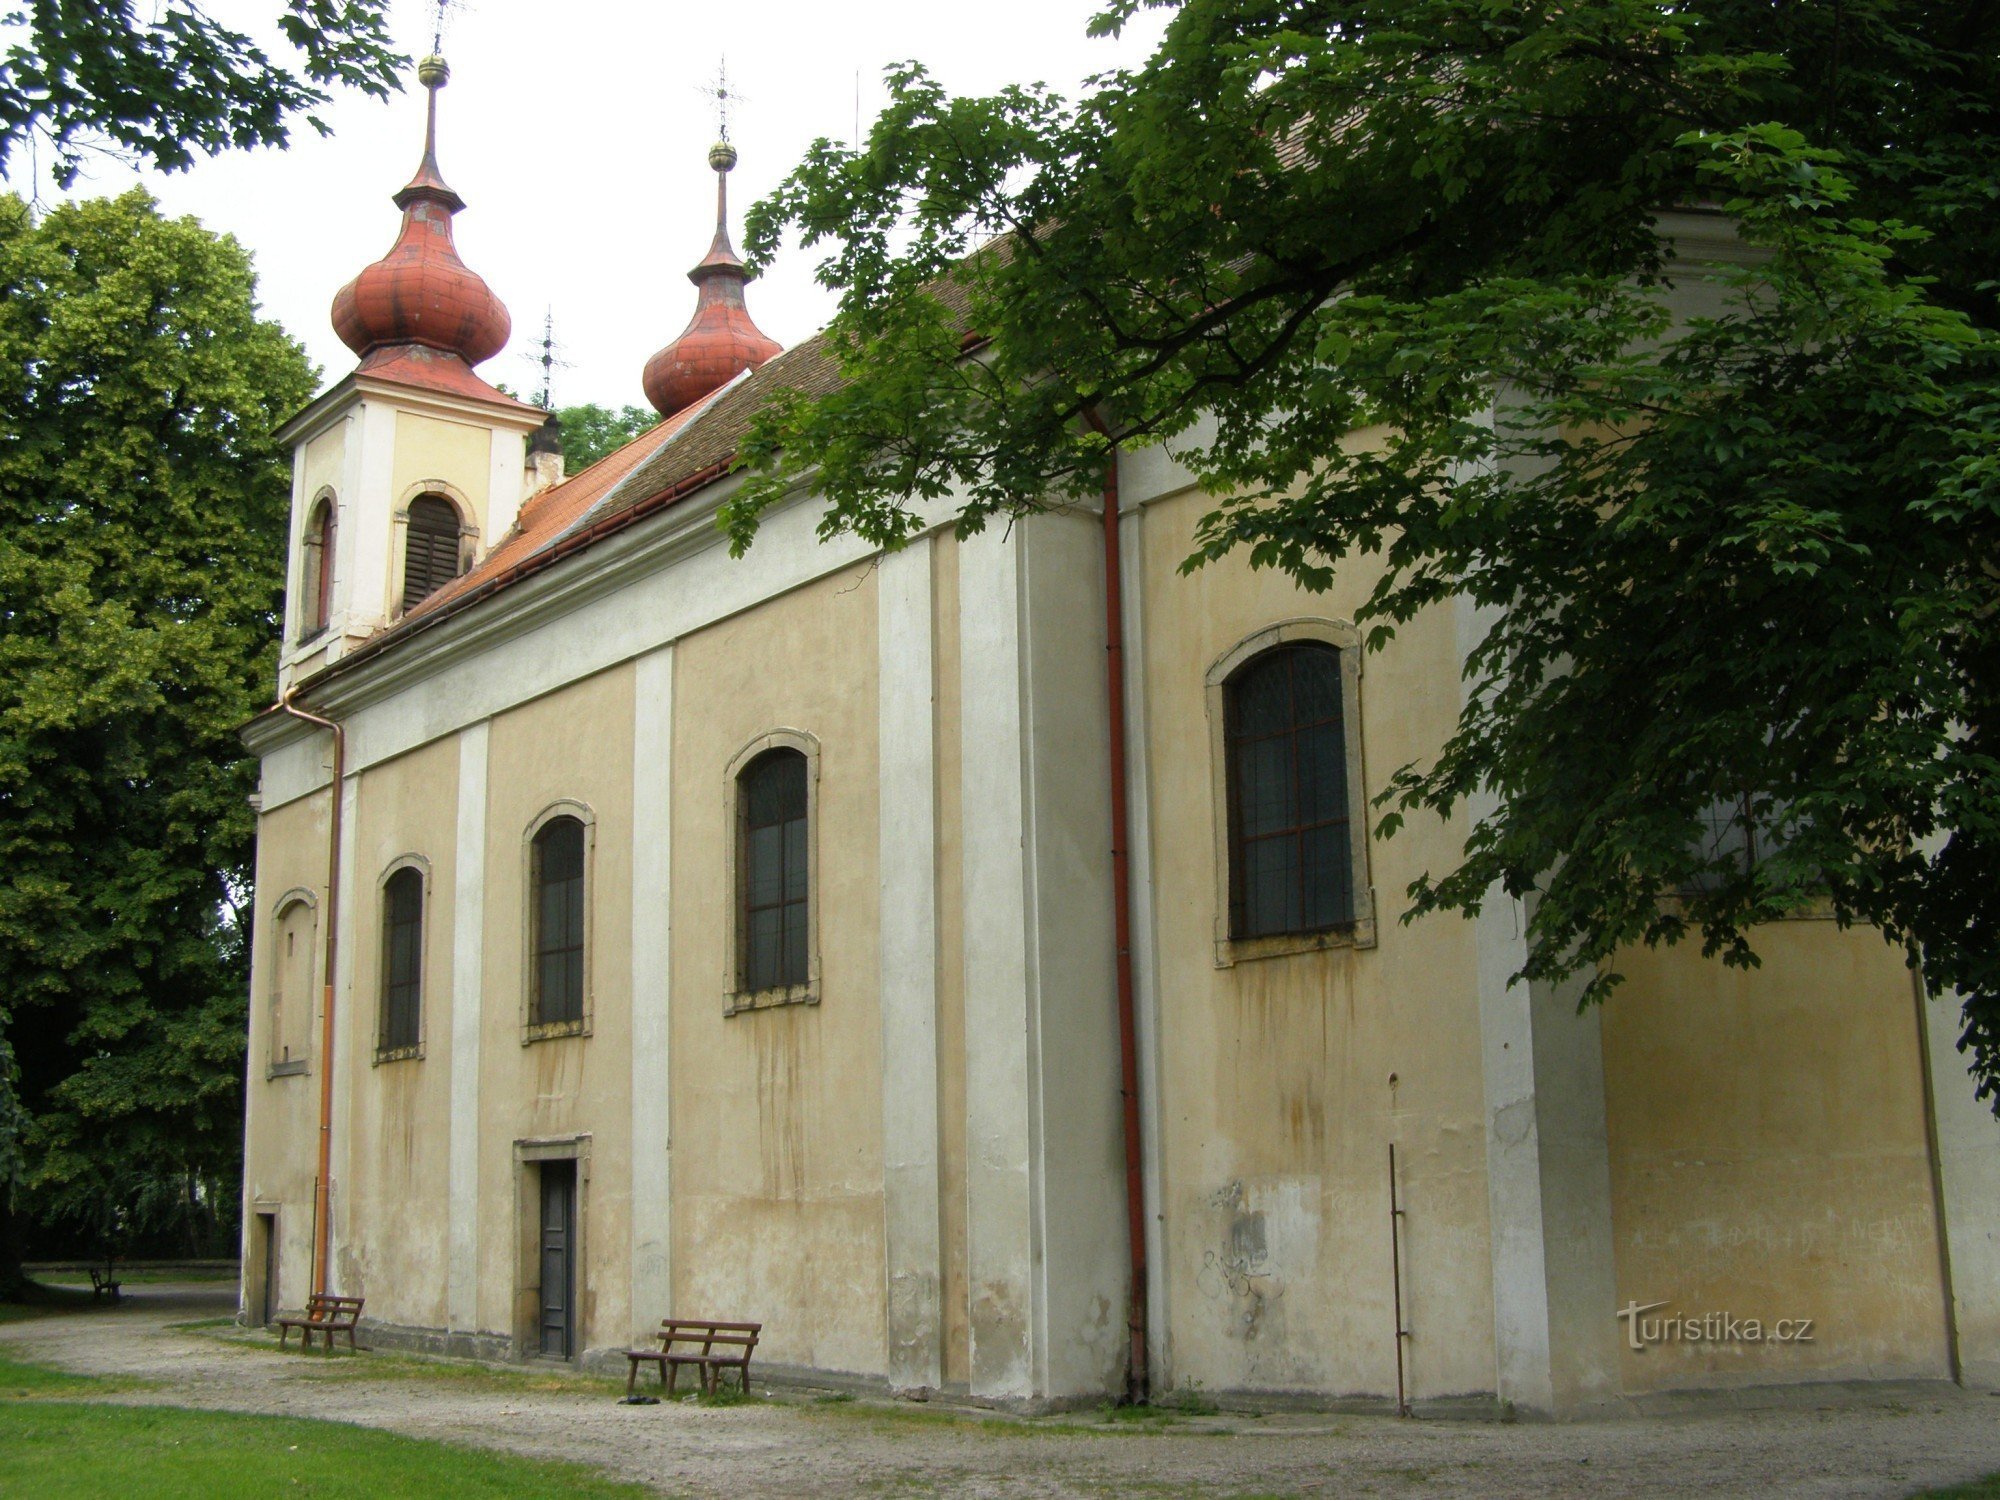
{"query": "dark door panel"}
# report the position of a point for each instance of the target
(558, 1237)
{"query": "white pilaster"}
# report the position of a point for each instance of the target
(467, 989)
(351, 1033)
(999, 971)
(652, 940)
(1548, 1174)
(1968, 1168)
(908, 769)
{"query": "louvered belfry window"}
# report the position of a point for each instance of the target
(1291, 864)
(557, 915)
(430, 551)
(402, 960)
(774, 881)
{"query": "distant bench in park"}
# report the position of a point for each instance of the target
(104, 1283)
(326, 1315)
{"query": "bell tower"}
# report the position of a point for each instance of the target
(408, 469)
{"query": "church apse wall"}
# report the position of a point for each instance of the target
(1768, 1161)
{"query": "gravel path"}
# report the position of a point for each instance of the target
(1839, 1443)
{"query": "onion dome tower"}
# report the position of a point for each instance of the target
(720, 341)
(421, 293)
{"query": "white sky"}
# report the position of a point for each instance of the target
(578, 136)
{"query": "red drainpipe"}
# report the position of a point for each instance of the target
(322, 1195)
(1137, 1379)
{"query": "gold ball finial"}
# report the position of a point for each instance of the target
(722, 156)
(434, 72)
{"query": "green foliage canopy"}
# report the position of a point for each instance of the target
(177, 83)
(590, 431)
(1745, 557)
(142, 536)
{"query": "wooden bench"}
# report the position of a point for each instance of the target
(723, 1346)
(104, 1283)
(324, 1315)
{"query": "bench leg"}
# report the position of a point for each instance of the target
(670, 1374)
(632, 1378)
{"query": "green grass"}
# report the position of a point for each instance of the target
(65, 1451)
(37, 1300)
(18, 1380)
(1977, 1489)
(147, 1276)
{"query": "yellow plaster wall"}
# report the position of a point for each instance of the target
(574, 745)
(777, 1114)
(1768, 1158)
(324, 457)
(395, 1206)
(281, 1144)
(1277, 1106)
(454, 457)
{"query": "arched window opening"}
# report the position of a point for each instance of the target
(556, 943)
(316, 570)
(773, 889)
(1291, 863)
(430, 548)
(402, 960)
(292, 992)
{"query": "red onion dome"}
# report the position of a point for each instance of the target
(421, 292)
(721, 340)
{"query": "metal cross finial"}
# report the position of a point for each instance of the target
(441, 12)
(548, 360)
(723, 95)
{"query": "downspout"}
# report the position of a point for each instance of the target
(322, 1190)
(1137, 1378)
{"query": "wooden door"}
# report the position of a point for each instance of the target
(267, 1294)
(558, 1258)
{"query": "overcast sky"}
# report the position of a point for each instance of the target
(578, 135)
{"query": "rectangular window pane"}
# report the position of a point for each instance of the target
(764, 882)
(795, 943)
(548, 987)
(1270, 886)
(573, 914)
(1322, 774)
(572, 1009)
(795, 860)
(1264, 786)
(767, 934)
(1316, 685)
(1329, 894)
(1263, 700)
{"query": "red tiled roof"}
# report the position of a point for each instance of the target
(431, 370)
(548, 516)
(685, 454)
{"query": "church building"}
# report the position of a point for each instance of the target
(970, 961)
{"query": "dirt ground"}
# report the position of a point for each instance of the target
(1877, 1442)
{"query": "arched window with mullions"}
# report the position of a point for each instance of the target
(316, 569)
(432, 550)
(773, 888)
(556, 918)
(1291, 867)
(402, 964)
